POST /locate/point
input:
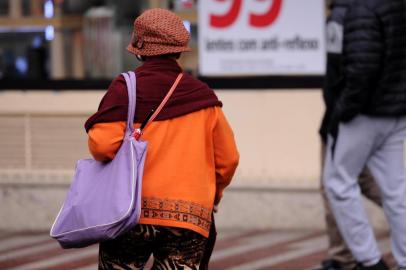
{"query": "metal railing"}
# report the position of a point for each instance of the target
(40, 148)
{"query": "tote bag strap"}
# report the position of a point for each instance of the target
(138, 132)
(165, 100)
(132, 94)
(130, 80)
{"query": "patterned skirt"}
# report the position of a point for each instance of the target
(172, 248)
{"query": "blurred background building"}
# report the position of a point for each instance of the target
(74, 39)
(57, 58)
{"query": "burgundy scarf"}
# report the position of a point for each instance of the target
(154, 79)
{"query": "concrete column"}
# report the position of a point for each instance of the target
(58, 69)
(78, 69)
(58, 54)
(15, 8)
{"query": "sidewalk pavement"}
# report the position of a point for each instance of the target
(235, 249)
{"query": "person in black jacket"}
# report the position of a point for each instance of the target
(339, 256)
(368, 128)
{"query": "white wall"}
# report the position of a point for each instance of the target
(276, 130)
(276, 185)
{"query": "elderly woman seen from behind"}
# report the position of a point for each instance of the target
(191, 155)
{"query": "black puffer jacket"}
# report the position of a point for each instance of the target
(334, 78)
(374, 60)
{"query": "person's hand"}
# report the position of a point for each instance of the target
(215, 208)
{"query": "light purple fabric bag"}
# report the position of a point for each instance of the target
(104, 199)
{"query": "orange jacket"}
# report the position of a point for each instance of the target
(190, 160)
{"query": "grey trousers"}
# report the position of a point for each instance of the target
(337, 248)
(377, 143)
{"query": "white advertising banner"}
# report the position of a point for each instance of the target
(261, 37)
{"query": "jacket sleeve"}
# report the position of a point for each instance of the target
(105, 139)
(363, 51)
(226, 155)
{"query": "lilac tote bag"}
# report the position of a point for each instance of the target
(104, 199)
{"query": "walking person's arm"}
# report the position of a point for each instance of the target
(105, 139)
(226, 155)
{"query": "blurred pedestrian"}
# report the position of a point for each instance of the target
(339, 256)
(368, 128)
(191, 156)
